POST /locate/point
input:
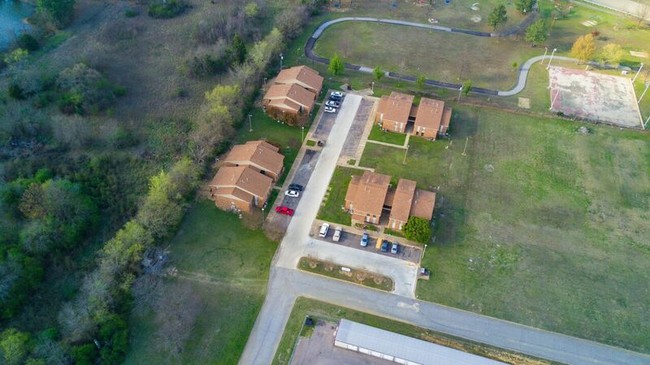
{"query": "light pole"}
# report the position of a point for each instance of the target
(647, 84)
(459, 91)
(637, 73)
(302, 133)
(554, 98)
(281, 59)
(551, 60)
(545, 52)
(250, 123)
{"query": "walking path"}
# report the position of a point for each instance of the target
(522, 75)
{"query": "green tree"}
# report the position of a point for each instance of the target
(238, 49)
(612, 53)
(524, 6)
(336, 65)
(467, 87)
(14, 346)
(417, 229)
(61, 11)
(536, 32)
(584, 48)
(498, 17)
(420, 81)
(378, 72)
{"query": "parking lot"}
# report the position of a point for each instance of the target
(352, 239)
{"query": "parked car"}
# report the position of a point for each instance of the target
(332, 103)
(284, 210)
(394, 248)
(337, 94)
(329, 109)
(296, 187)
(337, 234)
(323, 230)
(364, 240)
(292, 193)
(335, 98)
(385, 245)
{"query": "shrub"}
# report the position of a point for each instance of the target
(15, 91)
(28, 42)
(167, 9)
(417, 229)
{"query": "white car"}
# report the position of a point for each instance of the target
(292, 193)
(323, 230)
(332, 103)
(337, 94)
(329, 109)
(337, 234)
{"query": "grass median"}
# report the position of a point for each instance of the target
(357, 276)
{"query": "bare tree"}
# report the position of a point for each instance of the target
(176, 316)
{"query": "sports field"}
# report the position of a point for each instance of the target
(593, 96)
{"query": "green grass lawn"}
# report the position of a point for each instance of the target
(537, 224)
(435, 55)
(320, 310)
(334, 199)
(227, 266)
(376, 134)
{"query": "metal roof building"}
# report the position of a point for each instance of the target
(399, 348)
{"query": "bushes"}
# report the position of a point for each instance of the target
(167, 9)
(60, 12)
(84, 90)
(28, 42)
(418, 230)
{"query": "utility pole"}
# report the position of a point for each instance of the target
(281, 59)
(637, 73)
(545, 52)
(551, 60)
(554, 98)
(647, 84)
(459, 91)
(302, 133)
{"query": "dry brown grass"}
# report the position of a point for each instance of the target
(140, 53)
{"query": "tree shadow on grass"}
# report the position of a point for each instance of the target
(464, 123)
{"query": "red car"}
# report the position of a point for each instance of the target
(284, 210)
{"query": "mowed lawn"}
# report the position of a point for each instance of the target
(537, 223)
(226, 265)
(435, 55)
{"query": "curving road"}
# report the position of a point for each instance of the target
(521, 76)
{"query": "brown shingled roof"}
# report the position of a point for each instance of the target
(396, 107)
(243, 178)
(260, 153)
(403, 199)
(289, 97)
(446, 118)
(302, 75)
(370, 194)
(429, 114)
(423, 204)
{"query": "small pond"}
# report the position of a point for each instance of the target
(12, 20)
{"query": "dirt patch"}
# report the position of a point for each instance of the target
(353, 275)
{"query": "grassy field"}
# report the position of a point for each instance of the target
(226, 265)
(376, 134)
(537, 224)
(435, 55)
(335, 197)
(320, 310)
